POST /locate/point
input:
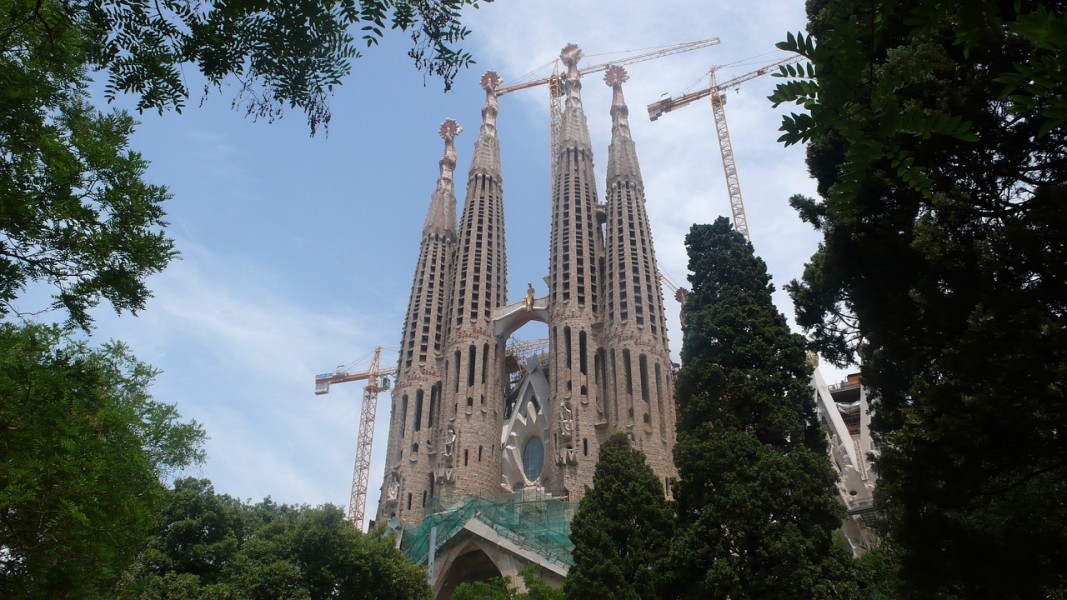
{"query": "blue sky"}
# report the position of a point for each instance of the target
(298, 252)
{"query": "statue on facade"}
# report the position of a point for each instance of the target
(450, 441)
(566, 419)
(392, 490)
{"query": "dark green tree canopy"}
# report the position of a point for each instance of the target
(936, 133)
(756, 501)
(621, 529)
(732, 330)
(84, 450)
(210, 545)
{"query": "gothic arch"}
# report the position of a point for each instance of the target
(473, 564)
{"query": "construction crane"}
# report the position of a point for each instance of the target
(718, 100)
(377, 380)
(524, 347)
(681, 294)
(555, 85)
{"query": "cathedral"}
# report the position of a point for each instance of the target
(468, 418)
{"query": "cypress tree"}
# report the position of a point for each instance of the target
(756, 501)
(621, 529)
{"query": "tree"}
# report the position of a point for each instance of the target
(280, 53)
(621, 528)
(756, 500)
(499, 588)
(936, 133)
(84, 449)
(536, 587)
(207, 545)
(75, 212)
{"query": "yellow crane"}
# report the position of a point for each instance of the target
(555, 85)
(681, 294)
(718, 100)
(377, 381)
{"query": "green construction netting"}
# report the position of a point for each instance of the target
(535, 522)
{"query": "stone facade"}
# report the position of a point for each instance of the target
(456, 409)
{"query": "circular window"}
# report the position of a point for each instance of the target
(533, 458)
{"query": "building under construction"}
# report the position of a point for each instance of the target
(469, 421)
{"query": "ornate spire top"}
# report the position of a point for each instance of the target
(441, 218)
(489, 83)
(570, 56)
(486, 157)
(615, 77)
(449, 130)
(622, 156)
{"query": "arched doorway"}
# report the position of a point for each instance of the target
(473, 565)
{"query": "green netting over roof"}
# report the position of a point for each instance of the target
(535, 522)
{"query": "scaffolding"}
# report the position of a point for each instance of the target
(530, 519)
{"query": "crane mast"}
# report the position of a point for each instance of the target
(377, 381)
(555, 86)
(729, 164)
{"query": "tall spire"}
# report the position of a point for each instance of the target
(486, 159)
(441, 218)
(472, 412)
(574, 296)
(634, 327)
(416, 409)
(622, 156)
(575, 131)
(620, 114)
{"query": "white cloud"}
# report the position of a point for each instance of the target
(239, 356)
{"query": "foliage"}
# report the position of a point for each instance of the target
(756, 501)
(622, 526)
(279, 53)
(876, 572)
(936, 133)
(207, 545)
(536, 587)
(499, 588)
(75, 213)
(84, 448)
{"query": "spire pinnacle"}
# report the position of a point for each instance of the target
(620, 114)
(570, 56)
(622, 156)
(489, 83)
(448, 131)
(441, 218)
(486, 158)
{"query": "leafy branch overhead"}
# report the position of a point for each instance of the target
(281, 53)
(77, 217)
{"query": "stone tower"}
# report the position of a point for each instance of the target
(469, 420)
(573, 310)
(638, 361)
(468, 463)
(416, 406)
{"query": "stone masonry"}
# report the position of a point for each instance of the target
(608, 365)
